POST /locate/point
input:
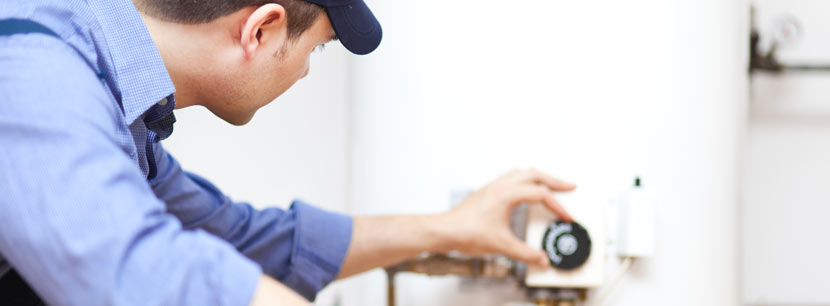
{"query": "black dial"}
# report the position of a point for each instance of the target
(568, 245)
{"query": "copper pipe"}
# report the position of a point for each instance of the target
(545, 302)
(441, 264)
(390, 288)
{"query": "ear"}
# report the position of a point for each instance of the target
(267, 23)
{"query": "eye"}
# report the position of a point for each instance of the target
(320, 47)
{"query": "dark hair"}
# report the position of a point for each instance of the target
(301, 14)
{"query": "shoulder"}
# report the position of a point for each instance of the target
(42, 78)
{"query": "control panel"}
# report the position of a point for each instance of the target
(576, 250)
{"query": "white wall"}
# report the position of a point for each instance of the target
(592, 91)
(787, 166)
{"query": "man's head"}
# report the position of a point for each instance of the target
(235, 56)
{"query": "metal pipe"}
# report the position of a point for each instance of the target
(442, 264)
(390, 288)
(545, 302)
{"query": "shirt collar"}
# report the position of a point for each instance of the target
(140, 73)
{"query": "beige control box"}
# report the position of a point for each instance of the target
(565, 242)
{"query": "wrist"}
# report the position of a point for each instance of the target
(439, 234)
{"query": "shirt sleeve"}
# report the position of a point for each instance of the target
(79, 221)
(302, 247)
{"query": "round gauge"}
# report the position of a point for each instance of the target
(568, 245)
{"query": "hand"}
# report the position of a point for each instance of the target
(481, 223)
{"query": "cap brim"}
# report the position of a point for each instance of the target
(356, 27)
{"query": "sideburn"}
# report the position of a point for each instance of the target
(282, 52)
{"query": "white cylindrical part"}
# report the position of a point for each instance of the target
(595, 92)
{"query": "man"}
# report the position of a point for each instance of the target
(94, 211)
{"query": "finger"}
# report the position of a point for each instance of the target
(537, 194)
(518, 250)
(512, 174)
(539, 177)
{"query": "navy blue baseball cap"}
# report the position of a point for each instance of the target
(355, 25)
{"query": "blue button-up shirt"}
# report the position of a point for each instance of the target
(94, 211)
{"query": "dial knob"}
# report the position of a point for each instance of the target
(568, 245)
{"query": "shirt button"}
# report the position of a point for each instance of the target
(162, 102)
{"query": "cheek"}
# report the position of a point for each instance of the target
(277, 80)
(296, 69)
(302, 66)
(307, 68)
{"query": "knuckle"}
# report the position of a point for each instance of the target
(534, 172)
(541, 190)
(511, 173)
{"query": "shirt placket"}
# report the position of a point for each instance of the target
(159, 121)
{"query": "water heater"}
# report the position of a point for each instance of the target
(592, 92)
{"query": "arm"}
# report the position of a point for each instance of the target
(270, 292)
(479, 225)
(302, 247)
(79, 222)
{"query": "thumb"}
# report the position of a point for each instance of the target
(518, 250)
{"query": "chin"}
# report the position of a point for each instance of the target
(239, 113)
(236, 119)
(239, 120)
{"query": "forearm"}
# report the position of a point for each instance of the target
(289, 243)
(478, 225)
(271, 292)
(380, 241)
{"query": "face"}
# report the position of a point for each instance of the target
(268, 64)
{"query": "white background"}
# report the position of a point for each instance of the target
(787, 166)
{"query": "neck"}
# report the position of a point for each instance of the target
(179, 51)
